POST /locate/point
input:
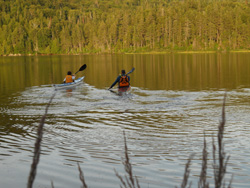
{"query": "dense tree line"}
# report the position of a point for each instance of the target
(83, 26)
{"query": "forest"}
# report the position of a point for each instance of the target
(122, 26)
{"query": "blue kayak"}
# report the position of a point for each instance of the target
(69, 85)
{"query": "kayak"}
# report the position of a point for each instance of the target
(124, 89)
(121, 91)
(69, 85)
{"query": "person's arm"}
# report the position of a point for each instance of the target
(128, 79)
(73, 77)
(117, 80)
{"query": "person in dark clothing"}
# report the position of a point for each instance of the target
(122, 80)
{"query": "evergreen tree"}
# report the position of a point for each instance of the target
(77, 26)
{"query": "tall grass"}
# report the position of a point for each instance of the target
(82, 177)
(37, 147)
(128, 181)
(186, 174)
(203, 175)
(220, 160)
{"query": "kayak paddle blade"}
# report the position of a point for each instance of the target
(82, 68)
(131, 71)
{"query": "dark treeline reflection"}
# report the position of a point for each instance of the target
(154, 72)
(193, 71)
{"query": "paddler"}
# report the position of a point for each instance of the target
(122, 80)
(69, 78)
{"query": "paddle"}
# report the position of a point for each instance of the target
(82, 68)
(132, 70)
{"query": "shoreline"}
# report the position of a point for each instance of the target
(129, 53)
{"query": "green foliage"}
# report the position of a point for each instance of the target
(77, 26)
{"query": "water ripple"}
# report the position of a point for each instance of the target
(86, 125)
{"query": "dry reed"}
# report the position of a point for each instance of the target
(130, 181)
(187, 173)
(52, 184)
(220, 160)
(203, 175)
(37, 148)
(81, 176)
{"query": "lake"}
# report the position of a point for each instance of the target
(175, 99)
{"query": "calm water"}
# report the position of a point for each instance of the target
(175, 99)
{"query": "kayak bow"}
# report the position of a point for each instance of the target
(121, 91)
(124, 89)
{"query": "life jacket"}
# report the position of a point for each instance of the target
(123, 81)
(69, 79)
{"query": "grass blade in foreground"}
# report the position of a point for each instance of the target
(220, 164)
(220, 160)
(37, 148)
(82, 177)
(130, 182)
(203, 175)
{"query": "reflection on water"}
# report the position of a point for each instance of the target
(164, 117)
(187, 72)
